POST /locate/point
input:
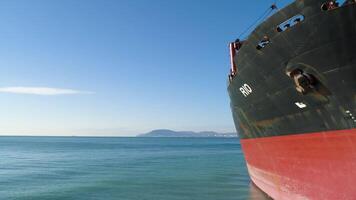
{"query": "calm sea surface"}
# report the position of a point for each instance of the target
(124, 169)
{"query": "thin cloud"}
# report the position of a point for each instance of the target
(42, 91)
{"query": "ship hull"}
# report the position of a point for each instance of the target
(320, 165)
(299, 146)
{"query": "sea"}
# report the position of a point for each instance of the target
(132, 168)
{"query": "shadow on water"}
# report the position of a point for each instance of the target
(257, 194)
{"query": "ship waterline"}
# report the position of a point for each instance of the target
(293, 100)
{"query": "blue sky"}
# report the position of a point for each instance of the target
(118, 67)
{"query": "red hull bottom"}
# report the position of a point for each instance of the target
(305, 166)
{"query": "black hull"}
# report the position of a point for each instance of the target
(324, 45)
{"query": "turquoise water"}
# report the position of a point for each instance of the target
(123, 168)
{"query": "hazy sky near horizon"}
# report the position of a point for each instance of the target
(118, 67)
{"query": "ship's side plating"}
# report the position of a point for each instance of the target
(323, 44)
(312, 134)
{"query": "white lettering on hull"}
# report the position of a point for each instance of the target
(246, 90)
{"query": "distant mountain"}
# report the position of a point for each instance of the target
(170, 133)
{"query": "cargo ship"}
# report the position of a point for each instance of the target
(292, 86)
